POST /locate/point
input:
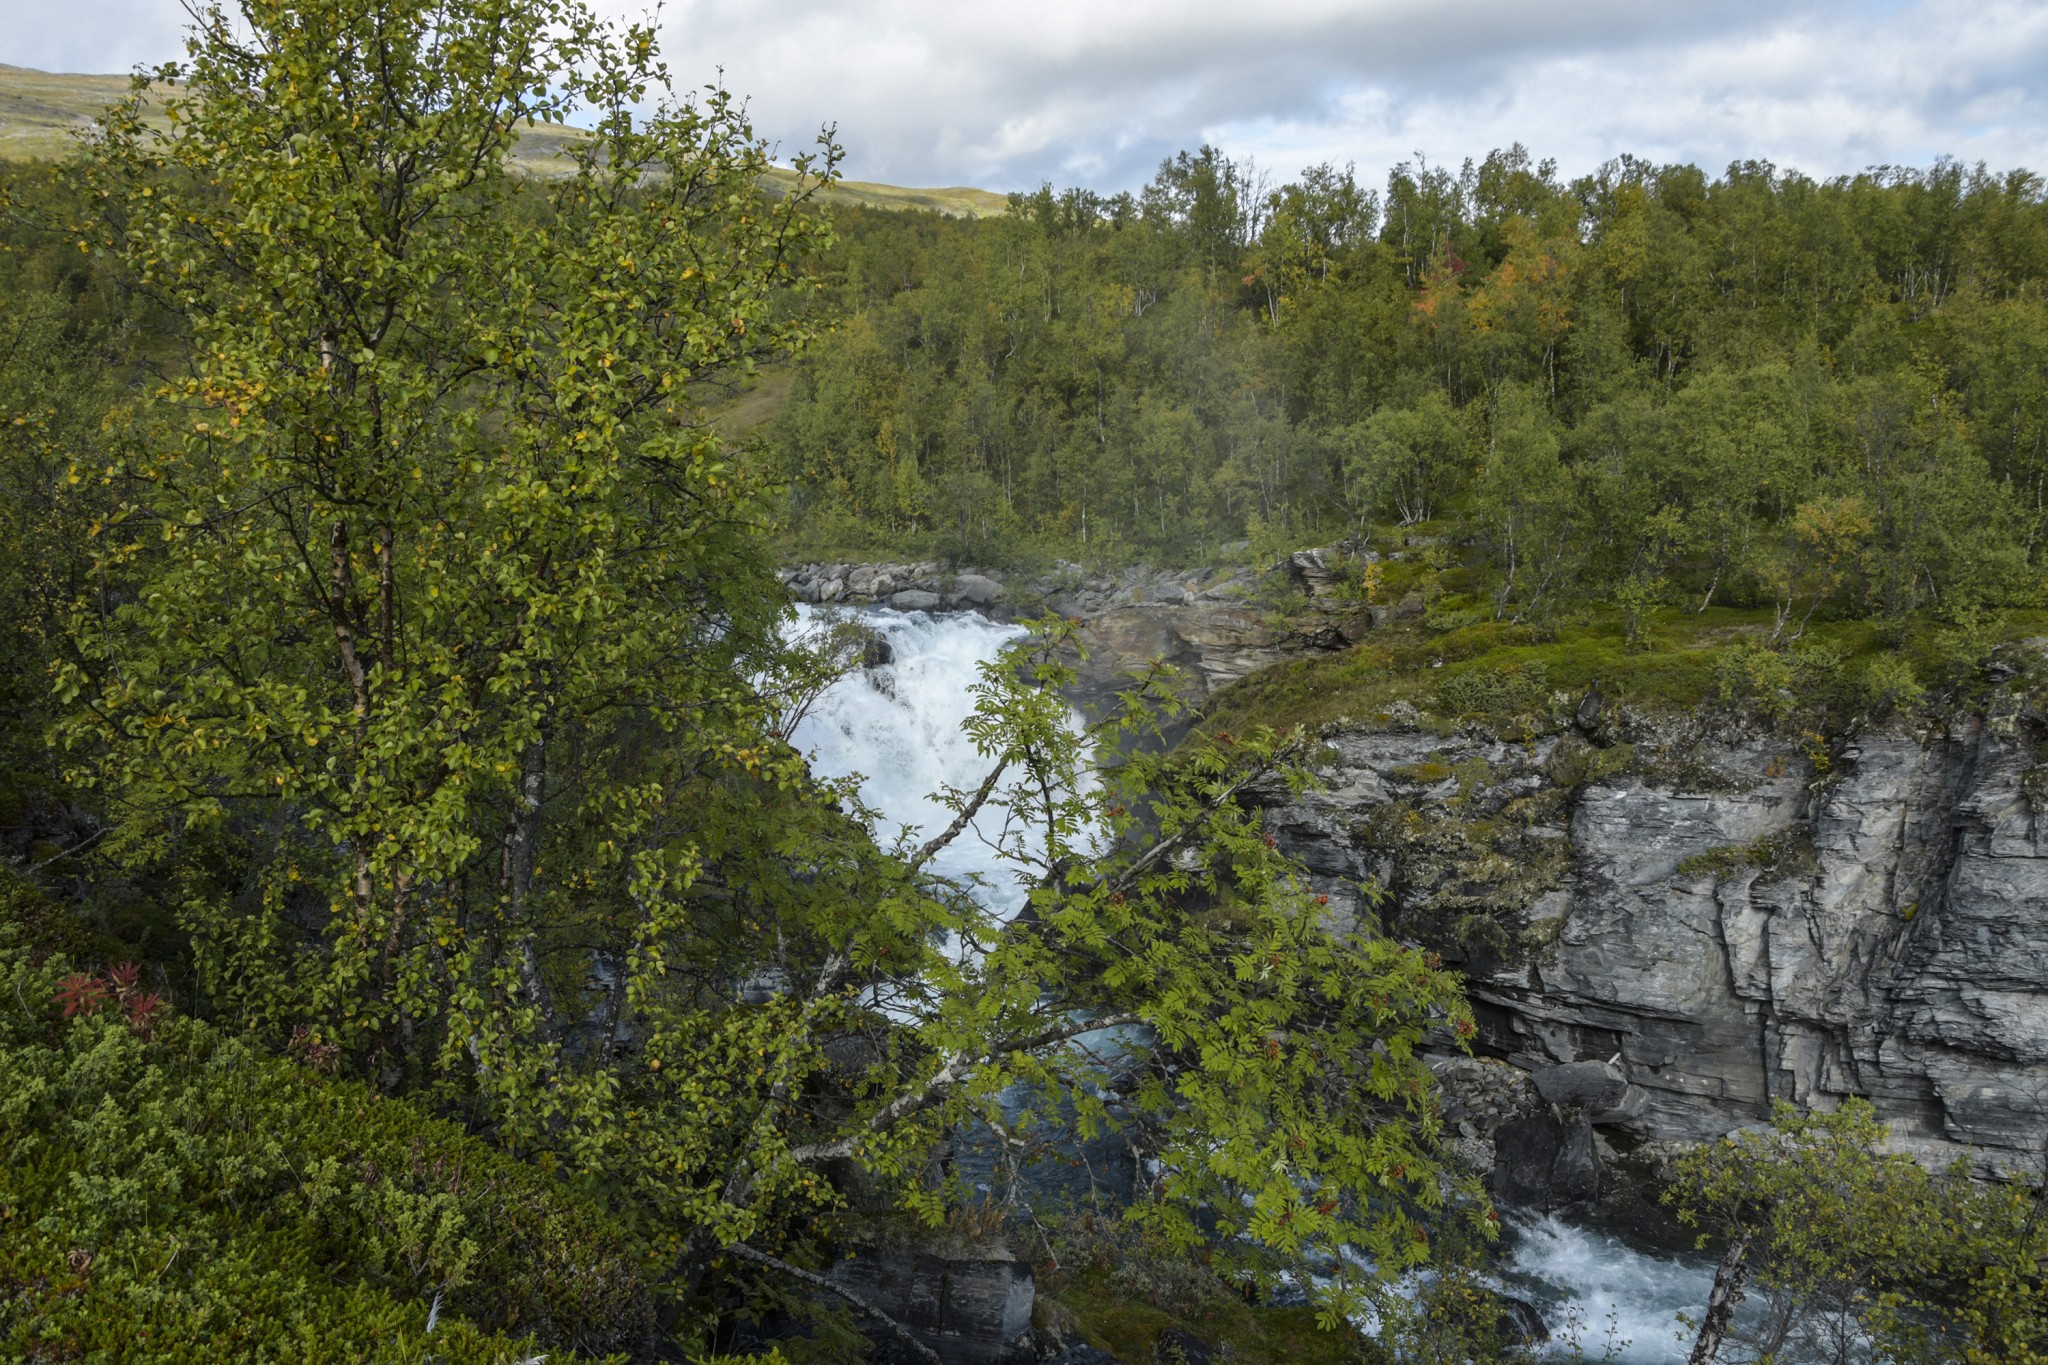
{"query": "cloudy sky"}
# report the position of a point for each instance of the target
(1005, 94)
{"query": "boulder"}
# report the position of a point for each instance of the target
(1521, 1324)
(876, 651)
(971, 1308)
(1313, 571)
(911, 599)
(977, 590)
(1596, 1087)
(1544, 1164)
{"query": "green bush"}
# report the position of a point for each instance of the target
(1493, 691)
(1846, 1241)
(174, 1194)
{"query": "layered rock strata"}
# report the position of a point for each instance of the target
(1729, 920)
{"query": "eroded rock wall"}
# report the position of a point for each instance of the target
(1731, 919)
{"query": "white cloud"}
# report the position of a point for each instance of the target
(1097, 91)
(1007, 95)
(91, 36)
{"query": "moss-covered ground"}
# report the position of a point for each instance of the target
(175, 1193)
(1452, 666)
(1129, 1328)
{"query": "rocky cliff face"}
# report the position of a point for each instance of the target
(1732, 919)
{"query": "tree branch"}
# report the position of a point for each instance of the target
(959, 1067)
(817, 1281)
(1729, 1278)
(962, 820)
(1152, 856)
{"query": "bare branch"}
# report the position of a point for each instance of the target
(959, 1067)
(817, 1281)
(1073, 1029)
(962, 820)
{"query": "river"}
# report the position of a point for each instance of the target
(899, 727)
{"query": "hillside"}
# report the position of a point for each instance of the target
(40, 110)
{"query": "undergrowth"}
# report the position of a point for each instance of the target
(172, 1194)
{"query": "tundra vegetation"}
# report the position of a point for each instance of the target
(420, 938)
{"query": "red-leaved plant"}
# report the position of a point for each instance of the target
(82, 993)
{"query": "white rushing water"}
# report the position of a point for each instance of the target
(1602, 1299)
(899, 727)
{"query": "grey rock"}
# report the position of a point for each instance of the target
(1588, 714)
(1894, 947)
(973, 1309)
(1543, 1164)
(1211, 643)
(1083, 1354)
(912, 599)
(977, 589)
(1595, 1086)
(1520, 1322)
(1481, 1093)
(1313, 571)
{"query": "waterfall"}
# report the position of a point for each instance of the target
(899, 727)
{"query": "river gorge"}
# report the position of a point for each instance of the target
(898, 725)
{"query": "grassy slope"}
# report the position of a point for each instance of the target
(1129, 1329)
(40, 111)
(1678, 663)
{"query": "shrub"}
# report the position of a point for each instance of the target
(1493, 691)
(1859, 1252)
(174, 1194)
